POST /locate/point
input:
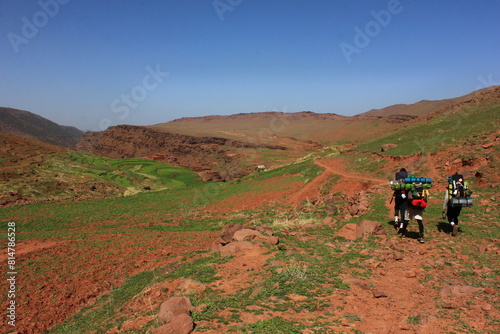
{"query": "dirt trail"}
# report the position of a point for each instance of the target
(409, 278)
(400, 295)
(338, 167)
(349, 183)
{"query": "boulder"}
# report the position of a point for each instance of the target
(173, 307)
(358, 204)
(227, 233)
(236, 247)
(327, 221)
(264, 230)
(246, 234)
(180, 324)
(273, 240)
(348, 231)
(368, 227)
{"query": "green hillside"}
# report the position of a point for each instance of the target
(469, 124)
(75, 175)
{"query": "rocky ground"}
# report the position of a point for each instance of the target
(446, 285)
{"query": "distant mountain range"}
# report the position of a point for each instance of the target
(324, 128)
(26, 124)
(262, 128)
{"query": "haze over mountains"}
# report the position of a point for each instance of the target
(262, 127)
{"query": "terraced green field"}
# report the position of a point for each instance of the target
(74, 174)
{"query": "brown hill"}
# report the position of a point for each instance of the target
(219, 158)
(423, 107)
(26, 124)
(267, 127)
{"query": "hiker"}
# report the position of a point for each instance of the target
(399, 196)
(455, 198)
(417, 202)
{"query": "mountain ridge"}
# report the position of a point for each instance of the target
(27, 124)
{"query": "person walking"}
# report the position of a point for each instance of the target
(417, 202)
(400, 200)
(456, 188)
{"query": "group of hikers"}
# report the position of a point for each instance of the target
(411, 195)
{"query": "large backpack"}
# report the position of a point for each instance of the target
(459, 192)
(419, 195)
(416, 187)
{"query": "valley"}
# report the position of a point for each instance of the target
(113, 227)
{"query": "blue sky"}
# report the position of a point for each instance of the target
(97, 63)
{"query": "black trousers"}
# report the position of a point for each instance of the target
(453, 213)
(400, 205)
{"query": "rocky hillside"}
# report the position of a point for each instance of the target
(219, 158)
(26, 124)
(423, 107)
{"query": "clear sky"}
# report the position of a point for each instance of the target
(96, 63)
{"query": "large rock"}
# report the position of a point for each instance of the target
(236, 247)
(173, 307)
(227, 233)
(264, 230)
(273, 240)
(180, 324)
(368, 227)
(246, 234)
(347, 231)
